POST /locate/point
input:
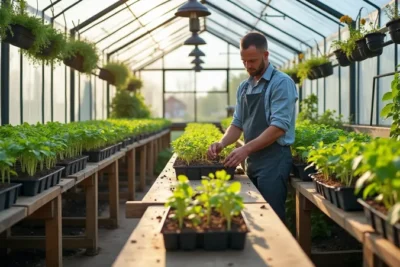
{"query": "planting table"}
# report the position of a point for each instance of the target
(45, 206)
(269, 243)
(375, 248)
(161, 191)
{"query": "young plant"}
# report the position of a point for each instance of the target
(392, 109)
(180, 200)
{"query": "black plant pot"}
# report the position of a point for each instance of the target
(347, 199)
(314, 73)
(375, 42)
(106, 75)
(46, 52)
(19, 36)
(187, 241)
(196, 172)
(365, 51)
(75, 62)
(72, 167)
(171, 241)
(357, 56)
(302, 173)
(326, 191)
(326, 69)
(394, 30)
(9, 195)
(295, 78)
(216, 240)
(342, 58)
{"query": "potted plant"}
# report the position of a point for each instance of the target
(292, 72)
(116, 73)
(191, 149)
(9, 192)
(134, 84)
(53, 52)
(379, 169)
(315, 68)
(6, 13)
(210, 218)
(392, 109)
(394, 24)
(81, 56)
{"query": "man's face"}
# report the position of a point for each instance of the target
(254, 60)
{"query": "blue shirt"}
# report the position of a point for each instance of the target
(283, 93)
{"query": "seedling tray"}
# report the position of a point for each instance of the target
(74, 166)
(196, 172)
(9, 195)
(210, 241)
(99, 155)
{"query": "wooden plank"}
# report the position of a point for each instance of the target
(83, 174)
(34, 203)
(11, 216)
(303, 223)
(53, 236)
(143, 157)
(150, 160)
(26, 242)
(81, 222)
(66, 184)
(105, 163)
(136, 209)
(114, 192)
(269, 243)
(92, 215)
(383, 248)
(356, 224)
(161, 189)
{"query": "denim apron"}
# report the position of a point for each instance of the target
(268, 168)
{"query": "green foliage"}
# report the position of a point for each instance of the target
(126, 105)
(304, 68)
(120, 71)
(291, 71)
(392, 109)
(309, 109)
(214, 193)
(6, 13)
(194, 143)
(40, 146)
(85, 49)
(134, 83)
(58, 43)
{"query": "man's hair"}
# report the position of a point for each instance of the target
(254, 38)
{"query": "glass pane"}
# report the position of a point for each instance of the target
(211, 107)
(236, 77)
(179, 81)
(212, 80)
(32, 93)
(235, 60)
(47, 93)
(59, 93)
(152, 91)
(179, 107)
(15, 87)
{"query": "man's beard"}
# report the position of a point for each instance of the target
(259, 70)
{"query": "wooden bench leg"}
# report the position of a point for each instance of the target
(160, 148)
(4, 235)
(169, 140)
(114, 193)
(303, 222)
(143, 159)
(155, 148)
(131, 161)
(150, 161)
(92, 214)
(54, 235)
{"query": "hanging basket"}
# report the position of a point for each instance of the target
(326, 69)
(394, 30)
(131, 87)
(375, 42)
(295, 78)
(106, 75)
(342, 58)
(75, 62)
(314, 73)
(365, 51)
(46, 52)
(357, 56)
(19, 36)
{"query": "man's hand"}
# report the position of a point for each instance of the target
(214, 150)
(236, 157)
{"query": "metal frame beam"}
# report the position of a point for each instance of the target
(271, 25)
(99, 15)
(289, 47)
(325, 8)
(321, 13)
(141, 36)
(65, 10)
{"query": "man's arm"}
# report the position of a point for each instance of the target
(231, 135)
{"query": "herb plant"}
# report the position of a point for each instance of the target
(392, 109)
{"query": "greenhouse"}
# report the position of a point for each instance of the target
(199, 133)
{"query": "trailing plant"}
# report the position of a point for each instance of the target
(57, 42)
(392, 109)
(126, 105)
(120, 71)
(134, 83)
(6, 13)
(85, 49)
(306, 66)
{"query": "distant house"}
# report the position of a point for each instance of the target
(174, 108)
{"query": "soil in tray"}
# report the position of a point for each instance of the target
(182, 163)
(331, 182)
(217, 223)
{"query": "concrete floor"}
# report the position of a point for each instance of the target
(111, 242)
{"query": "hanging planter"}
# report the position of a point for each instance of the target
(314, 73)
(292, 72)
(134, 84)
(326, 69)
(19, 36)
(357, 56)
(106, 75)
(75, 62)
(81, 56)
(394, 30)
(365, 51)
(375, 41)
(342, 58)
(53, 52)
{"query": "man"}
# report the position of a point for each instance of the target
(265, 112)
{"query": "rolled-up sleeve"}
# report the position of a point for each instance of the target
(237, 115)
(283, 103)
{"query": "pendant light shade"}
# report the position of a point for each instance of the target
(192, 9)
(197, 61)
(196, 52)
(195, 39)
(197, 68)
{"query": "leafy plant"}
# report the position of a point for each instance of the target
(57, 42)
(125, 105)
(180, 200)
(392, 109)
(304, 68)
(120, 71)
(6, 13)
(134, 83)
(85, 49)
(309, 109)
